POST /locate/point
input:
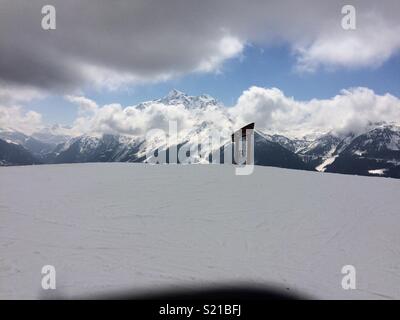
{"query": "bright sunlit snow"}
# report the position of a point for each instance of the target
(108, 227)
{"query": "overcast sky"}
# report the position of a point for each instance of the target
(127, 51)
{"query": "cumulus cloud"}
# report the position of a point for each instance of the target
(115, 119)
(12, 115)
(350, 111)
(111, 44)
(15, 118)
(86, 106)
(141, 119)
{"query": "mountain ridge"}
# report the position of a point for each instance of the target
(375, 151)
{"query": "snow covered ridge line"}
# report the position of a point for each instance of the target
(374, 147)
(361, 154)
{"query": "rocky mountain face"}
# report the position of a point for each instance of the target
(15, 154)
(375, 152)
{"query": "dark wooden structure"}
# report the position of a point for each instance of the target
(243, 145)
(242, 131)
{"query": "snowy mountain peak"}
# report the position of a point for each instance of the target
(174, 93)
(176, 97)
(179, 98)
(381, 139)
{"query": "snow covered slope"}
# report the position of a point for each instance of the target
(107, 227)
(377, 150)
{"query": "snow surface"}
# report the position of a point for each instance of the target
(377, 171)
(327, 162)
(108, 227)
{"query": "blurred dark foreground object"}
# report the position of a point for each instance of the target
(221, 292)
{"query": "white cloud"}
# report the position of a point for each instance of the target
(368, 46)
(15, 118)
(228, 47)
(351, 110)
(271, 110)
(115, 119)
(86, 106)
(138, 121)
(12, 114)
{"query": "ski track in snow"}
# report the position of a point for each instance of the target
(111, 227)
